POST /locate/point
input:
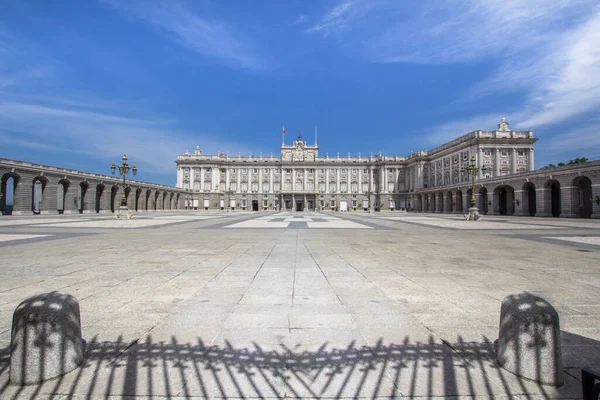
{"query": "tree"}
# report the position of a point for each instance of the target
(578, 160)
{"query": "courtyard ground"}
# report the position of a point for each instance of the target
(305, 305)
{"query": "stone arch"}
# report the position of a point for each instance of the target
(138, 197)
(581, 199)
(483, 205)
(177, 197)
(148, 194)
(61, 195)
(156, 196)
(440, 202)
(459, 201)
(114, 191)
(38, 194)
(504, 200)
(9, 191)
(449, 200)
(98, 206)
(529, 199)
(171, 200)
(552, 198)
(419, 203)
(470, 202)
(164, 198)
(82, 198)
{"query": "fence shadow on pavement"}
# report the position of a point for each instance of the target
(144, 367)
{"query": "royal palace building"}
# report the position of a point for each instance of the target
(300, 179)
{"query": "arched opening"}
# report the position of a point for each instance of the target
(113, 197)
(138, 195)
(483, 201)
(83, 189)
(449, 202)
(504, 197)
(37, 194)
(61, 195)
(553, 197)
(171, 198)
(459, 201)
(164, 198)
(582, 197)
(470, 202)
(147, 198)
(419, 203)
(440, 199)
(127, 197)
(98, 202)
(529, 206)
(8, 188)
(155, 205)
(176, 201)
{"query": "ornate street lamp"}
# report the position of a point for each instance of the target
(472, 169)
(123, 171)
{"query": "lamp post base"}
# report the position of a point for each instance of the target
(123, 213)
(473, 214)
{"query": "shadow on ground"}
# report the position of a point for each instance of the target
(148, 368)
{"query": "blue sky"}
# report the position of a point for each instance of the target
(83, 81)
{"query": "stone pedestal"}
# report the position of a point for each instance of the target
(473, 214)
(123, 213)
(529, 339)
(45, 338)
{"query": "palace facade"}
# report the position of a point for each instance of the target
(299, 179)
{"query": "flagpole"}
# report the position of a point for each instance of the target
(283, 136)
(315, 135)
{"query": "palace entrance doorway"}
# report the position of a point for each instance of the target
(299, 205)
(254, 205)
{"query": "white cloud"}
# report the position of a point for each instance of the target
(152, 144)
(207, 37)
(585, 142)
(448, 131)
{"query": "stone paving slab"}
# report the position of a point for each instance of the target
(192, 310)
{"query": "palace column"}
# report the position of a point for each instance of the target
(271, 182)
(305, 187)
(479, 163)
(238, 188)
(360, 180)
(293, 179)
(530, 165)
(497, 162)
(260, 189)
(396, 184)
(371, 183)
(385, 179)
(201, 179)
(337, 183)
(513, 161)
(327, 180)
(227, 178)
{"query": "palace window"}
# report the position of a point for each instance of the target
(332, 171)
(233, 170)
(186, 169)
(244, 203)
(244, 170)
(354, 204)
(365, 171)
(322, 170)
(520, 153)
(343, 170)
(255, 171)
(331, 203)
(354, 171)
(504, 152)
(265, 203)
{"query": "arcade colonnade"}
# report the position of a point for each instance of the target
(569, 191)
(40, 189)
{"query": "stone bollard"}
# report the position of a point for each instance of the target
(529, 339)
(45, 338)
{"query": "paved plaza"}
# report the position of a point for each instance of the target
(300, 305)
